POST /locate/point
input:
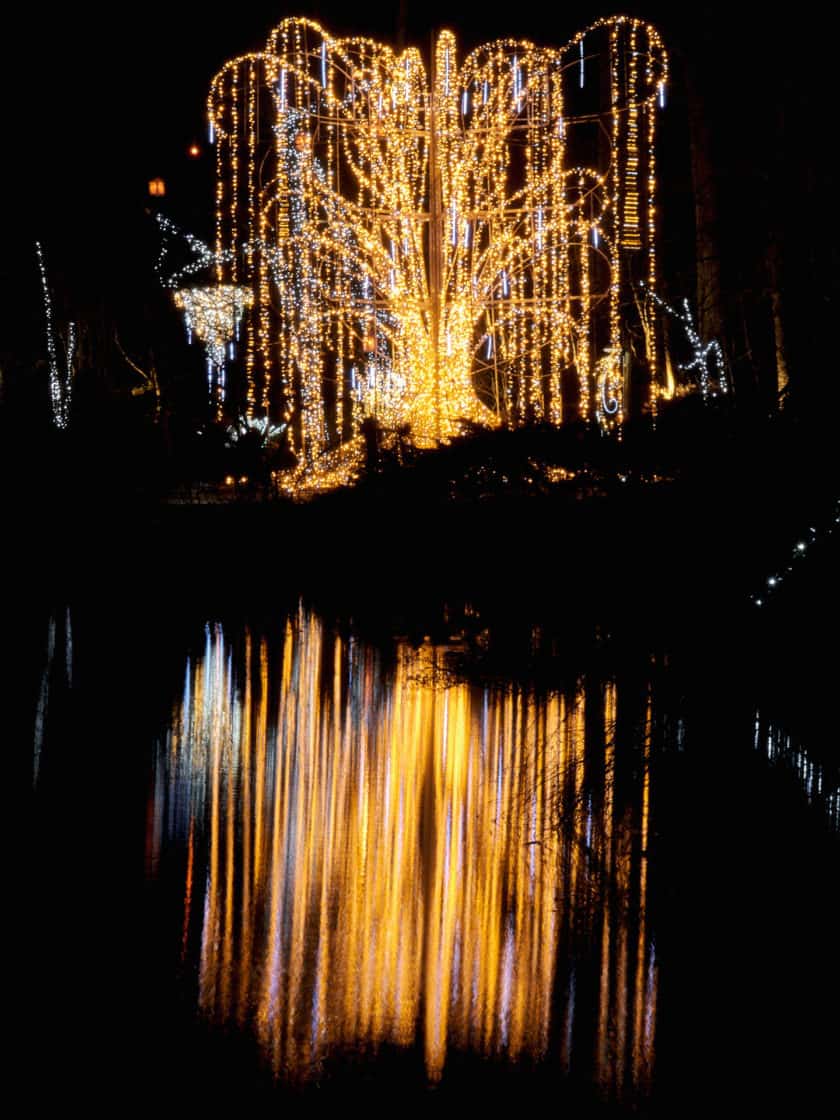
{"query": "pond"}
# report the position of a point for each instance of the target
(373, 871)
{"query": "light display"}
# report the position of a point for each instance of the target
(258, 426)
(800, 550)
(202, 257)
(707, 361)
(213, 314)
(61, 381)
(434, 246)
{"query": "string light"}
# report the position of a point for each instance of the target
(213, 315)
(69, 359)
(250, 425)
(401, 223)
(707, 359)
(799, 552)
(204, 259)
(61, 383)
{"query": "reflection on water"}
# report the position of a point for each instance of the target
(783, 750)
(376, 854)
(57, 672)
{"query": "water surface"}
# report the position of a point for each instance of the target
(367, 870)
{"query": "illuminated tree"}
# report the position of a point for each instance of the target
(432, 247)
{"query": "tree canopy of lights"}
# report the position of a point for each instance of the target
(433, 244)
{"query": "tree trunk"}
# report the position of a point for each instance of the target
(709, 302)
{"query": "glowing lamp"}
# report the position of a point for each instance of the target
(157, 188)
(193, 151)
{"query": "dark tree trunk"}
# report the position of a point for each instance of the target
(709, 301)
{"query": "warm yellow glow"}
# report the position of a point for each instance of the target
(157, 188)
(340, 466)
(213, 314)
(435, 245)
(374, 858)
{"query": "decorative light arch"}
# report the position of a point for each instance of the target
(433, 246)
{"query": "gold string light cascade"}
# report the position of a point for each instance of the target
(435, 246)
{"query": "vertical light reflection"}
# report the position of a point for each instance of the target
(394, 855)
(606, 1035)
(56, 678)
(188, 888)
(246, 936)
(818, 781)
(645, 964)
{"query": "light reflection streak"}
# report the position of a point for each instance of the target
(391, 856)
(52, 679)
(821, 786)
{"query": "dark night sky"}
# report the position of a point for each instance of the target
(97, 104)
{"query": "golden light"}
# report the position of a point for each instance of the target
(213, 314)
(157, 188)
(193, 151)
(381, 862)
(428, 246)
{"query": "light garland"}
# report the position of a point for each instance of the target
(431, 247)
(340, 466)
(61, 383)
(707, 360)
(799, 552)
(203, 257)
(260, 426)
(213, 314)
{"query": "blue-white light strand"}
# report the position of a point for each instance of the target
(707, 359)
(60, 384)
(800, 550)
(204, 257)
